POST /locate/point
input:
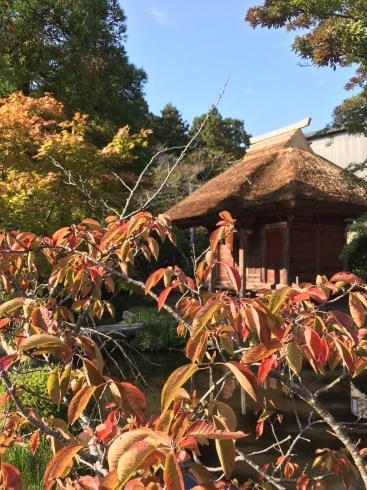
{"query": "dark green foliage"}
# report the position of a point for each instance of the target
(169, 129)
(356, 249)
(158, 335)
(221, 135)
(333, 33)
(75, 50)
(32, 381)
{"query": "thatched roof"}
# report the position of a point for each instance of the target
(279, 172)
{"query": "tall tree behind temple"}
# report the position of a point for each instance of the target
(220, 143)
(75, 50)
(169, 129)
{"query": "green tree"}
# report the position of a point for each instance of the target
(226, 135)
(74, 50)
(334, 33)
(169, 129)
(218, 145)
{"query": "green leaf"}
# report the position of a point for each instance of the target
(277, 298)
(294, 357)
(174, 383)
(226, 452)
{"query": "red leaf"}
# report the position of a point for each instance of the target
(313, 342)
(163, 296)
(33, 441)
(59, 235)
(234, 276)
(4, 321)
(259, 429)
(264, 369)
(346, 277)
(153, 279)
(318, 295)
(227, 217)
(135, 398)
(11, 477)
(7, 361)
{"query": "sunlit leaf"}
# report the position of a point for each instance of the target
(34, 440)
(53, 386)
(277, 298)
(204, 315)
(226, 452)
(59, 462)
(200, 428)
(153, 279)
(131, 460)
(261, 351)
(123, 442)
(233, 275)
(177, 379)
(196, 347)
(245, 377)
(11, 305)
(172, 475)
(40, 341)
(357, 309)
(216, 237)
(79, 402)
(294, 357)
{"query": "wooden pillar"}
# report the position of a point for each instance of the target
(318, 251)
(263, 277)
(242, 261)
(286, 277)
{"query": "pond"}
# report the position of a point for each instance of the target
(344, 398)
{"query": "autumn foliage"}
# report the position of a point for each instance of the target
(52, 171)
(44, 320)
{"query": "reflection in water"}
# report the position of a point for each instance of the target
(338, 401)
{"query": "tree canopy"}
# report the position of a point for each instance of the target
(218, 144)
(51, 171)
(74, 50)
(334, 33)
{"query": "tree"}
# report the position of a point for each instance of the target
(74, 50)
(216, 145)
(169, 130)
(106, 428)
(226, 135)
(333, 34)
(51, 172)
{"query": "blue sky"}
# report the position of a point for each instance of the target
(189, 48)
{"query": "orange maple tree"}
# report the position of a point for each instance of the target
(52, 172)
(124, 448)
